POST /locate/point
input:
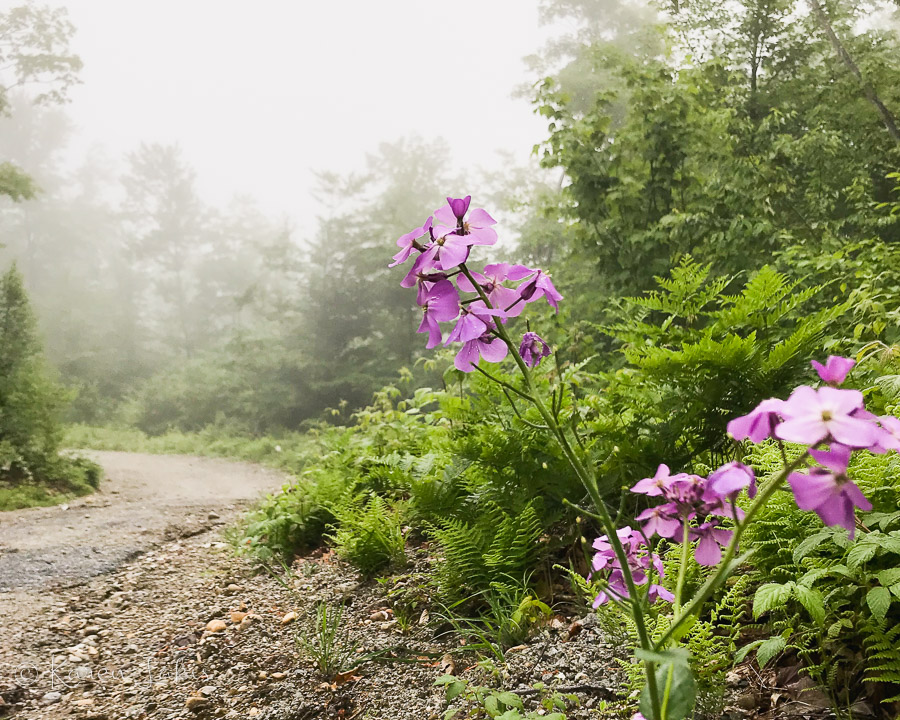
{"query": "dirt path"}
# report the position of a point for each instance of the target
(144, 500)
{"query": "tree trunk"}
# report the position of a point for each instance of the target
(886, 116)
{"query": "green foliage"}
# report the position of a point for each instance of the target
(475, 553)
(325, 642)
(31, 402)
(696, 356)
(369, 535)
(832, 601)
(473, 700)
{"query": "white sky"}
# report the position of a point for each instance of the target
(261, 94)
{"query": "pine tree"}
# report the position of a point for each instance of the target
(30, 400)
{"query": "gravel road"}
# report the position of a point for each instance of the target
(144, 500)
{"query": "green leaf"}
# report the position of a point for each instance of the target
(682, 692)
(861, 552)
(812, 601)
(510, 700)
(742, 652)
(889, 577)
(445, 680)
(455, 689)
(769, 649)
(770, 596)
(879, 601)
(492, 705)
(810, 544)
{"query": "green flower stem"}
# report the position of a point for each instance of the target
(588, 479)
(723, 571)
(682, 570)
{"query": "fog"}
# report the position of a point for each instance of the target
(260, 98)
(210, 197)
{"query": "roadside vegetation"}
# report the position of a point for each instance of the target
(728, 211)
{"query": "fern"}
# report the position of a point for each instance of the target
(883, 657)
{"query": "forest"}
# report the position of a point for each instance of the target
(692, 295)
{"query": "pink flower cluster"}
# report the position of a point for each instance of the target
(443, 244)
(641, 561)
(832, 422)
(700, 503)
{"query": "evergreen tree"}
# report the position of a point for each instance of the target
(30, 400)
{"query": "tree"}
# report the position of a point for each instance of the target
(30, 401)
(34, 51)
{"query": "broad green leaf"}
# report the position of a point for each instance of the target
(510, 700)
(889, 577)
(682, 692)
(769, 649)
(445, 680)
(770, 596)
(455, 689)
(742, 652)
(879, 601)
(812, 601)
(861, 552)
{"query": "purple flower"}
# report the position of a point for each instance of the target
(812, 416)
(730, 479)
(712, 540)
(453, 229)
(408, 242)
(889, 437)
(659, 521)
(491, 348)
(537, 285)
(441, 304)
(828, 491)
(758, 424)
(423, 267)
(491, 282)
(655, 486)
(475, 320)
(459, 206)
(640, 559)
(533, 349)
(835, 369)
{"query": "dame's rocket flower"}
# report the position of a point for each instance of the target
(812, 416)
(491, 283)
(653, 487)
(475, 320)
(407, 243)
(491, 348)
(828, 491)
(477, 229)
(835, 369)
(441, 304)
(533, 349)
(712, 539)
(537, 285)
(728, 481)
(758, 424)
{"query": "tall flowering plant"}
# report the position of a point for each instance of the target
(702, 515)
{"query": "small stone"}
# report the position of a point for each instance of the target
(213, 516)
(208, 690)
(289, 618)
(215, 626)
(51, 697)
(196, 702)
(238, 617)
(232, 588)
(279, 676)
